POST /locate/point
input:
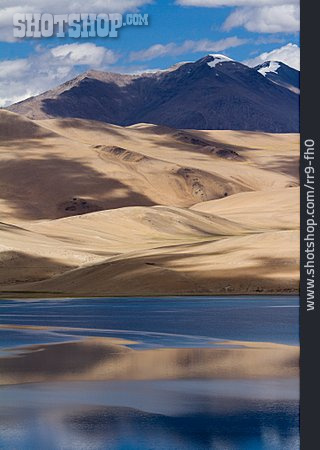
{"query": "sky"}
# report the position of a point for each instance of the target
(250, 31)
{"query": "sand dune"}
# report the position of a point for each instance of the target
(276, 152)
(14, 127)
(267, 210)
(197, 149)
(260, 263)
(95, 209)
(73, 177)
(147, 226)
(90, 238)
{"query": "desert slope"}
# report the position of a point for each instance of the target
(97, 209)
(268, 210)
(237, 265)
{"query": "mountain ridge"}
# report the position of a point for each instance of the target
(214, 92)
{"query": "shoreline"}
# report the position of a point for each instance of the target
(37, 296)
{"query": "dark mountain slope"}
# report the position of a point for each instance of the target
(280, 74)
(212, 93)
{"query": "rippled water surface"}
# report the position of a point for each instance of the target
(178, 411)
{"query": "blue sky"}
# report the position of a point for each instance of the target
(179, 30)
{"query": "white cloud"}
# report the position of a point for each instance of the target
(288, 54)
(266, 19)
(173, 49)
(261, 16)
(270, 39)
(12, 69)
(9, 7)
(84, 54)
(61, 6)
(221, 3)
(23, 78)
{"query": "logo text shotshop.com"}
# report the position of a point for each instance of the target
(82, 25)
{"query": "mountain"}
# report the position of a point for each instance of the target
(281, 74)
(214, 92)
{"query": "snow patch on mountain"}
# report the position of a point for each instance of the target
(270, 66)
(217, 59)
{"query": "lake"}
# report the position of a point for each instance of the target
(149, 373)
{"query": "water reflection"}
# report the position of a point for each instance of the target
(126, 374)
(246, 425)
(107, 359)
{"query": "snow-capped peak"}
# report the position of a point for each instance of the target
(269, 66)
(217, 59)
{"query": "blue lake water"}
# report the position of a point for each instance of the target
(158, 321)
(244, 414)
